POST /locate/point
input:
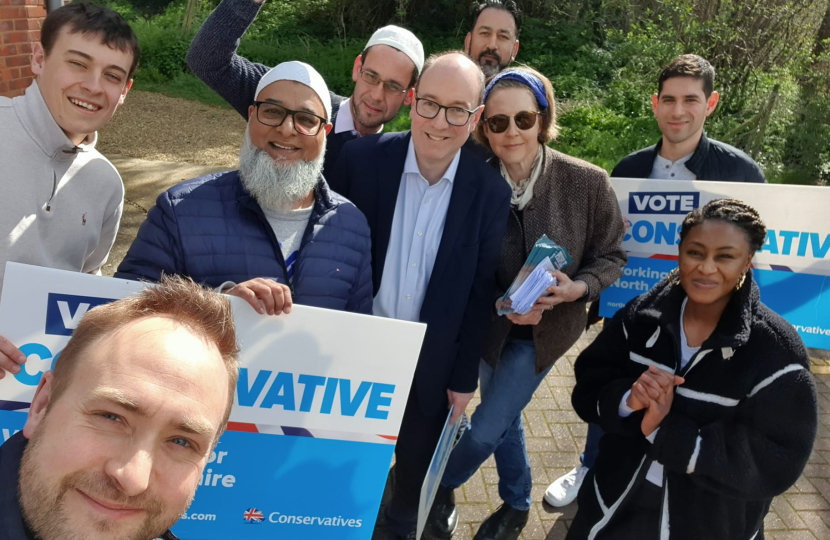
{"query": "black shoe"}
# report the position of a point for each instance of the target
(505, 524)
(443, 519)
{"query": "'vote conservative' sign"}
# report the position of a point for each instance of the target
(792, 269)
(319, 402)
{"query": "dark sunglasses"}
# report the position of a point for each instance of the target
(500, 122)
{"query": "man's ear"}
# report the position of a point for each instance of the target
(655, 99)
(712, 103)
(410, 96)
(476, 118)
(124, 92)
(467, 41)
(38, 57)
(40, 403)
(515, 51)
(358, 65)
(327, 127)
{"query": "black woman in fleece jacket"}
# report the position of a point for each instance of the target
(704, 393)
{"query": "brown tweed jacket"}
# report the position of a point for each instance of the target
(574, 204)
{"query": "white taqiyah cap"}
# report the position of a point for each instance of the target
(301, 73)
(401, 39)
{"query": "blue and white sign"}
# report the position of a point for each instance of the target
(792, 269)
(319, 403)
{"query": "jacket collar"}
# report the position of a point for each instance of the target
(695, 163)
(661, 306)
(39, 123)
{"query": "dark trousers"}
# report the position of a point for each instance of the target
(417, 440)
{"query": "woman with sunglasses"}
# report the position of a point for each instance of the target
(704, 393)
(571, 201)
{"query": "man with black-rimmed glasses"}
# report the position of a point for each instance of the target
(437, 214)
(384, 73)
(272, 233)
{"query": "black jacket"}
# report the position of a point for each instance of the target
(712, 160)
(739, 432)
(11, 518)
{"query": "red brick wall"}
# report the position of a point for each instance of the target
(20, 22)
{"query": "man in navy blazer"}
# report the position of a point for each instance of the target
(437, 214)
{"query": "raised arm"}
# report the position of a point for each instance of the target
(212, 55)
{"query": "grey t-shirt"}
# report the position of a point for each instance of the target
(666, 170)
(289, 227)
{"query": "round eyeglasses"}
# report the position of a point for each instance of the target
(456, 116)
(389, 87)
(498, 123)
(274, 115)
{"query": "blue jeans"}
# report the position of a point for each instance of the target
(589, 455)
(496, 425)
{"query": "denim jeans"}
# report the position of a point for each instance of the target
(496, 425)
(589, 455)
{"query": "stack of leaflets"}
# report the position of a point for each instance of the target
(534, 278)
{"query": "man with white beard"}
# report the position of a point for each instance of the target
(271, 232)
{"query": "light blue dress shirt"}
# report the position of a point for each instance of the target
(417, 227)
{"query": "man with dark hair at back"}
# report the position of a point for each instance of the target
(383, 73)
(118, 434)
(61, 199)
(493, 39)
(492, 43)
(685, 98)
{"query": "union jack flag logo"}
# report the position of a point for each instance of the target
(252, 515)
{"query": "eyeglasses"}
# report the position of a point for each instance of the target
(498, 123)
(456, 116)
(274, 115)
(389, 87)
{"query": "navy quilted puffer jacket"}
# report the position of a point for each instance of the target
(213, 231)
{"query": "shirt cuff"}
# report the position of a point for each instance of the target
(225, 286)
(587, 291)
(625, 410)
(653, 435)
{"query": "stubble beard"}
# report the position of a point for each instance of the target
(44, 506)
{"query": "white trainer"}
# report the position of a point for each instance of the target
(564, 490)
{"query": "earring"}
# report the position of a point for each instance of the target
(740, 282)
(674, 276)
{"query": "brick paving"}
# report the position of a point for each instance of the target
(556, 435)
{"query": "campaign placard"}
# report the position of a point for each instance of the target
(792, 269)
(319, 403)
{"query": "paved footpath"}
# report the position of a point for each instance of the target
(556, 435)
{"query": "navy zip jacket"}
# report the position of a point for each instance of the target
(739, 432)
(711, 160)
(12, 526)
(212, 230)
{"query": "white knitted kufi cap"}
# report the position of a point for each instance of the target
(301, 73)
(401, 39)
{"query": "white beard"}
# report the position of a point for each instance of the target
(275, 185)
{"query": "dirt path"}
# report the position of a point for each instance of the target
(156, 142)
(160, 128)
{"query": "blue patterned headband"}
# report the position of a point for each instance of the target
(528, 79)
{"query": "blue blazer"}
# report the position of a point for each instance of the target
(461, 289)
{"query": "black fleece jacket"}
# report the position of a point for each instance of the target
(739, 432)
